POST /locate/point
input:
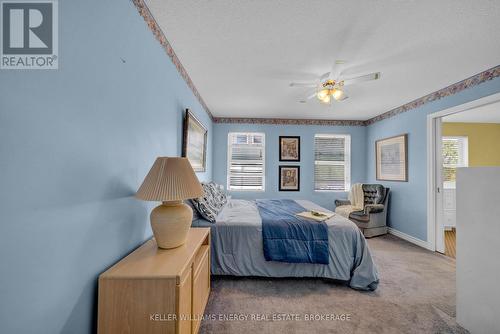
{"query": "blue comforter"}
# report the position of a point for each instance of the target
(287, 238)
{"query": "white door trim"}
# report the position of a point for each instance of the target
(438, 178)
(432, 225)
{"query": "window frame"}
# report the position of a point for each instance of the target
(347, 161)
(465, 159)
(228, 166)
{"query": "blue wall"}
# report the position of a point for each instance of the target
(408, 206)
(306, 132)
(75, 145)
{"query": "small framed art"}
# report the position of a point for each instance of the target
(289, 178)
(290, 148)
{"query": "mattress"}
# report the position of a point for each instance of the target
(237, 248)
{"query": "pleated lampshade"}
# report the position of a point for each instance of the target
(170, 179)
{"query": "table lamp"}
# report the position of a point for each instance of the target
(170, 180)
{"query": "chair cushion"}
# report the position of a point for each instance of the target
(374, 208)
(374, 193)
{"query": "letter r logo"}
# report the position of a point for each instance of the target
(27, 28)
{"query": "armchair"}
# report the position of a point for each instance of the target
(372, 220)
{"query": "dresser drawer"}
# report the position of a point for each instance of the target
(201, 284)
(202, 253)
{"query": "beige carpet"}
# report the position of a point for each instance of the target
(416, 295)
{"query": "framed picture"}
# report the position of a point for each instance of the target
(289, 148)
(289, 178)
(194, 143)
(391, 155)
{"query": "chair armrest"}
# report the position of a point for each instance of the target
(374, 208)
(340, 202)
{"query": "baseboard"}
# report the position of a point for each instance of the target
(409, 238)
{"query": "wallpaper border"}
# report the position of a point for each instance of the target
(287, 121)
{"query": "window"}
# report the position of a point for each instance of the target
(245, 161)
(332, 162)
(455, 155)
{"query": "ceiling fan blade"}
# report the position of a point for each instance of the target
(362, 78)
(337, 68)
(303, 84)
(311, 96)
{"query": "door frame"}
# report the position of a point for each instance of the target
(433, 140)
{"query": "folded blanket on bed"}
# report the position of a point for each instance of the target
(288, 238)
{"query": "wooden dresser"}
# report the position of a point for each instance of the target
(156, 290)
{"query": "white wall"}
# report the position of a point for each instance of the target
(478, 249)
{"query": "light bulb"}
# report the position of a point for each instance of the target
(337, 94)
(326, 99)
(322, 94)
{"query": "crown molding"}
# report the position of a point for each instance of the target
(144, 11)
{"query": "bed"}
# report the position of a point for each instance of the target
(237, 248)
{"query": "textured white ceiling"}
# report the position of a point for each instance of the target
(242, 55)
(489, 113)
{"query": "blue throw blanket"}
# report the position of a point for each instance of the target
(288, 238)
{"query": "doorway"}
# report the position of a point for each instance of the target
(448, 148)
(454, 155)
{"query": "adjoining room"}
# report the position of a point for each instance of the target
(468, 140)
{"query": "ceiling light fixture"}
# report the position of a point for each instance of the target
(330, 89)
(323, 93)
(331, 84)
(338, 94)
(327, 99)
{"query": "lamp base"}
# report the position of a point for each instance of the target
(171, 222)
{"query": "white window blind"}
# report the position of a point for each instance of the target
(245, 156)
(455, 155)
(332, 162)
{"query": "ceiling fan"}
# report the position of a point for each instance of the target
(330, 86)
